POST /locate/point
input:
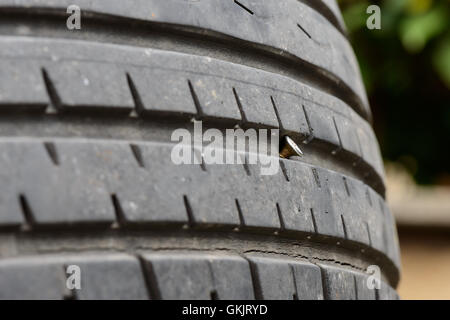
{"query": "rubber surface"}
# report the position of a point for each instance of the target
(202, 275)
(85, 170)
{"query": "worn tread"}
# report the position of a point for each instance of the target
(192, 86)
(181, 275)
(89, 172)
(323, 50)
(85, 120)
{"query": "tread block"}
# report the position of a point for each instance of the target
(348, 135)
(215, 96)
(367, 151)
(327, 220)
(153, 193)
(257, 204)
(77, 179)
(308, 281)
(53, 194)
(31, 278)
(321, 123)
(362, 290)
(109, 277)
(344, 199)
(181, 276)
(292, 200)
(256, 105)
(374, 217)
(291, 114)
(274, 277)
(10, 208)
(162, 91)
(88, 85)
(144, 194)
(339, 284)
(212, 202)
(232, 278)
(295, 217)
(22, 85)
(200, 276)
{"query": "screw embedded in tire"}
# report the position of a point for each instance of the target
(289, 148)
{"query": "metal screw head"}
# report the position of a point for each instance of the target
(290, 148)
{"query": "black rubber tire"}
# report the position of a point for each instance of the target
(85, 171)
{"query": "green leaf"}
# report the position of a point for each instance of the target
(416, 31)
(441, 60)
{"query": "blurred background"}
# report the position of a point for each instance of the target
(406, 70)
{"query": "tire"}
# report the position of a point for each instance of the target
(85, 172)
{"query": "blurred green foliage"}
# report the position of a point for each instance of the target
(406, 70)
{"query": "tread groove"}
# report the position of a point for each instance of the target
(246, 167)
(197, 104)
(55, 101)
(355, 284)
(27, 211)
(295, 295)
(138, 104)
(189, 212)
(344, 227)
(137, 153)
(326, 293)
(280, 217)
(213, 294)
(304, 31)
(241, 216)
(203, 165)
(310, 137)
(368, 233)
(239, 105)
(243, 7)
(277, 114)
(199, 156)
(313, 218)
(151, 283)
(338, 134)
(326, 12)
(316, 177)
(52, 152)
(118, 211)
(368, 197)
(346, 186)
(255, 280)
(284, 171)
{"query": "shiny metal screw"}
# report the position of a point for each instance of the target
(290, 148)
